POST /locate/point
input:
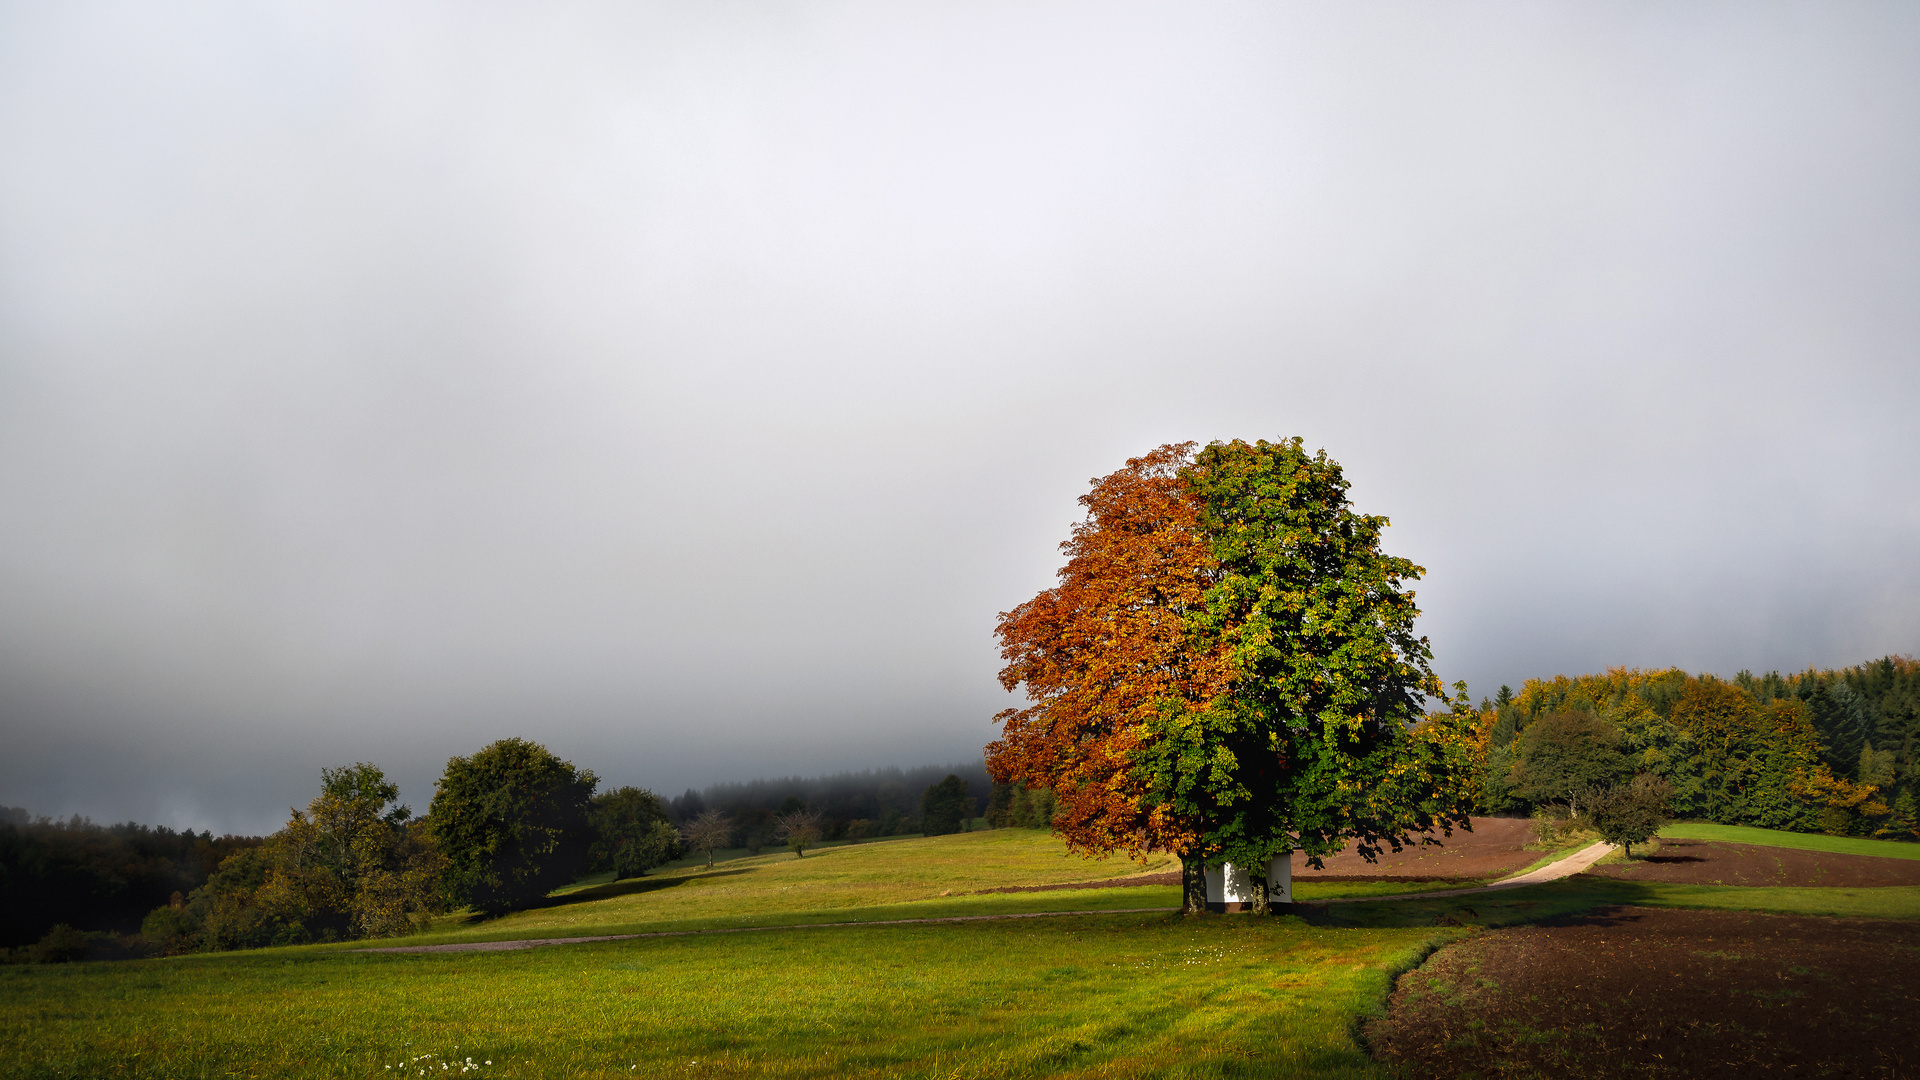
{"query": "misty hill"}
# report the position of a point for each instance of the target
(887, 801)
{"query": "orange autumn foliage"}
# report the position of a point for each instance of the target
(1107, 650)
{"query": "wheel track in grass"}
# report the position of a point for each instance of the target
(1567, 867)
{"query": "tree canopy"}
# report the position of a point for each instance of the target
(512, 821)
(1228, 668)
(632, 832)
(1564, 755)
(1105, 653)
(1631, 813)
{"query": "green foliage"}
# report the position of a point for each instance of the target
(945, 807)
(1563, 755)
(1031, 808)
(1743, 834)
(1554, 829)
(350, 865)
(512, 821)
(1630, 813)
(1321, 737)
(1000, 805)
(1751, 751)
(632, 832)
(1496, 782)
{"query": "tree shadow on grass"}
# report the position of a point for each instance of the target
(1581, 897)
(611, 889)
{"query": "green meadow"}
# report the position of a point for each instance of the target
(1745, 834)
(1106, 994)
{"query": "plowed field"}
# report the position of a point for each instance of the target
(1660, 992)
(1713, 862)
(1496, 847)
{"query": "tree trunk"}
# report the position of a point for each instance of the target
(1193, 886)
(1259, 889)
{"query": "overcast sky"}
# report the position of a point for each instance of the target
(687, 386)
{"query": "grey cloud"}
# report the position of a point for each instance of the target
(689, 385)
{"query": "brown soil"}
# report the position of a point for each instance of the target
(1656, 992)
(1495, 848)
(1713, 862)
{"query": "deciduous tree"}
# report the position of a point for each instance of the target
(512, 822)
(1228, 669)
(1564, 755)
(632, 833)
(707, 833)
(799, 829)
(1321, 737)
(1630, 813)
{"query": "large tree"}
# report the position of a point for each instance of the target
(512, 821)
(1564, 755)
(1228, 669)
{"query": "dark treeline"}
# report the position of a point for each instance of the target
(852, 805)
(1818, 751)
(96, 877)
(506, 825)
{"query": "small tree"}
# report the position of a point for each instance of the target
(707, 833)
(1564, 755)
(1631, 813)
(945, 807)
(799, 828)
(512, 821)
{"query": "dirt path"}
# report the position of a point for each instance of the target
(1553, 871)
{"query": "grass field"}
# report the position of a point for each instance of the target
(1082, 996)
(1839, 845)
(1097, 995)
(895, 879)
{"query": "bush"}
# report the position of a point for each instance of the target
(1631, 813)
(1554, 828)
